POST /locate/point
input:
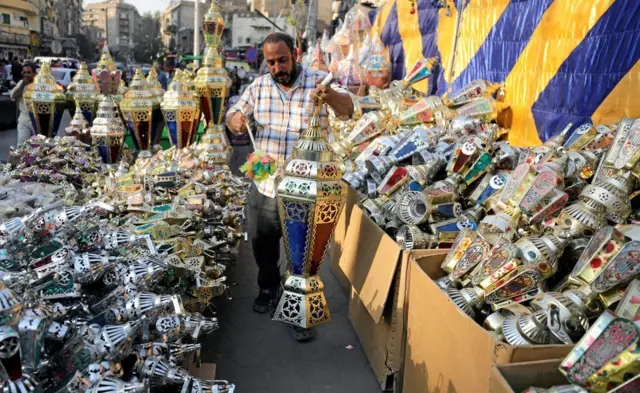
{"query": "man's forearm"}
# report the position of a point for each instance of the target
(16, 93)
(341, 104)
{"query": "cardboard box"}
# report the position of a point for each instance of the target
(446, 351)
(377, 270)
(338, 243)
(514, 378)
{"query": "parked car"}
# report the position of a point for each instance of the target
(63, 76)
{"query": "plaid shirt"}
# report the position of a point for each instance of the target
(280, 117)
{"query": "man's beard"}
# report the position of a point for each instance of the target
(285, 78)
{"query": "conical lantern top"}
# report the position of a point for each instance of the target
(213, 25)
(45, 80)
(312, 145)
(176, 83)
(106, 61)
(138, 82)
(78, 120)
(82, 76)
(154, 84)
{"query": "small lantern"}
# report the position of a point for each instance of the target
(181, 110)
(140, 109)
(82, 92)
(108, 131)
(106, 76)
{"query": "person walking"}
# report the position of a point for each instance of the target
(25, 127)
(280, 104)
(16, 70)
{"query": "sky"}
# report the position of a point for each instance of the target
(142, 5)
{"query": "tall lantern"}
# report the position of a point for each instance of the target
(140, 109)
(106, 75)
(181, 110)
(212, 82)
(310, 199)
(46, 102)
(84, 92)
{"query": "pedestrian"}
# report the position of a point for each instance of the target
(162, 76)
(25, 127)
(16, 70)
(280, 105)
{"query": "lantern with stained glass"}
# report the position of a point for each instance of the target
(46, 103)
(107, 132)
(106, 75)
(83, 92)
(212, 82)
(140, 110)
(181, 110)
(310, 199)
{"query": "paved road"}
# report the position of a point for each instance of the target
(9, 137)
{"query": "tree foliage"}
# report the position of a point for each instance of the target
(150, 44)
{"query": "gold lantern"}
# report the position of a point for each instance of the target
(108, 131)
(310, 199)
(46, 103)
(212, 82)
(181, 110)
(106, 76)
(140, 110)
(83, 92)
(154, 85)
(79, 127)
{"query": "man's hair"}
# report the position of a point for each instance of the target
(274, 38)
(30, 65)
(15, 58)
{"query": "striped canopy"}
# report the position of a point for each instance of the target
(562, 61)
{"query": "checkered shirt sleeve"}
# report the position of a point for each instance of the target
(280, 117)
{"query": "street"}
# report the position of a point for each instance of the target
(9, 137)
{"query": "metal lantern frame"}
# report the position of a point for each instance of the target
(140, 109)
(181, 111)
(311, 197)
(82, 92)
(46, 103)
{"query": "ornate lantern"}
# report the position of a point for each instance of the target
(83, 92)
(212, 83)
(106, 76)
(46, 103)
(139, 108)
(181, 110)
(79, 127)
(154, 84)
(108, 131)
(310, 199)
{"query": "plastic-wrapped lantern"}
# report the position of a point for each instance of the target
(83, 92)
(350, 74)
(378, 66)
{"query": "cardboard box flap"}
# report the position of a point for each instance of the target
(516, 377)
(369, 260)
(425, 365)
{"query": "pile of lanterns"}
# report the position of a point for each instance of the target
(111, 256)
(544, 241)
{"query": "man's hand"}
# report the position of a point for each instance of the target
(237, 123)
(341, 103)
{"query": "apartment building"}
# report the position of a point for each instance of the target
(119, 22)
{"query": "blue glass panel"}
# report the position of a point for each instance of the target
(297, 236)
(57, 117)
(415, 186)
(102, 149)
(88, 116)
(133, 134)
(173, 132)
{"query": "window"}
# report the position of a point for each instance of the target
(240, 40)
(6, 19)
(248, 40)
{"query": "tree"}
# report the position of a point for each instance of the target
(87, 49)
(150, 44)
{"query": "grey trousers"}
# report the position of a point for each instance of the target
(265, 231)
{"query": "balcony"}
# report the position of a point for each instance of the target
(13, 38)
(22, 5)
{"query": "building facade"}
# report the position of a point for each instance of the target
(26, 27)
(250, 29)
(118, 22)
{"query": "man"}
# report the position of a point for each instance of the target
(281, 104)
(16, 70)
(25, 128)
(162, 77)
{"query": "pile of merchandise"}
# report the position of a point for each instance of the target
(104, 294)
(544, 241)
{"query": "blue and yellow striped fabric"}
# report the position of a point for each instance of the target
(561, 61)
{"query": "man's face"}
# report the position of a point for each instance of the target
(280, 62)
(28, 73)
